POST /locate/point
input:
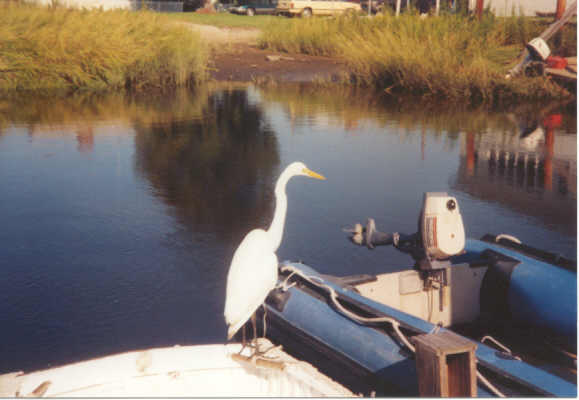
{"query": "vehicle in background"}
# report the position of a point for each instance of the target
(253, 7)
(376, 5)
(307, 8)
(194, 5)
(223, 7)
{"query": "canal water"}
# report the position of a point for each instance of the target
(120, 214)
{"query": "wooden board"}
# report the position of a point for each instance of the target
(446, 365)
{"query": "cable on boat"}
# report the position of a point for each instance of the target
(502, 346)
(489, 385)
(509, 237)
(319, 282)
(334, 297)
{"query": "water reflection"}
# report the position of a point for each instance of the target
(212, 155)
(58, 115)
(529, 166)
(217, 173)
(523, 159)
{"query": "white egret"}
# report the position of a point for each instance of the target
(253, 271)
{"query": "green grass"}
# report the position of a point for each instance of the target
(449, 56)
(228, 20)
(54, 47)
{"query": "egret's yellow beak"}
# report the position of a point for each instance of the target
(313, 174)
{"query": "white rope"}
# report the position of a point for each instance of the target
(509, 237)
(284, 285)
(502, 346)
(436, 328)
(395, 324)
(489, 385)
(334, 297)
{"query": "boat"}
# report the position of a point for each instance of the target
(516, 304)
(216, 370)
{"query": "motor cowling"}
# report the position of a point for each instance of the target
(441, 227)
(539, 48)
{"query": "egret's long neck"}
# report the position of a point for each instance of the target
(276, 228)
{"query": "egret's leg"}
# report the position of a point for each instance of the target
(264, 317)
(257, 353)
(254, 325)
(243, 340)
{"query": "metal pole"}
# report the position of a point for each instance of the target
(437, 7)
(398, 7)
(561, 5)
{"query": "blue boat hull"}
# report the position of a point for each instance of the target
(372, 358)
(538, 295)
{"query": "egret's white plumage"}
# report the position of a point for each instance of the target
(253, 270)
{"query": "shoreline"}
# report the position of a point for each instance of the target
(235, 56)
(244, 62)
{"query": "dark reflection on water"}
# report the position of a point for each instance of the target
(120, 214)
(217, 173)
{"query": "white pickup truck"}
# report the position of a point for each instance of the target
(307, 8)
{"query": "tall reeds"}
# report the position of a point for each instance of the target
(55, 47)
(449, 56)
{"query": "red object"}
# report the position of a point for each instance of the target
(561, 4)
(479, 8)
(556, 62)
(553, 121)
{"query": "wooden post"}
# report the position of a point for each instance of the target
(561, 5)
(446, 365)
(479, 8)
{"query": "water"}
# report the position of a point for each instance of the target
(120, 215)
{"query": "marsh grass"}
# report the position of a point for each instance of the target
(450, 56)
(55, 47)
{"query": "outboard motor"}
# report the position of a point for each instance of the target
(440, 236)
(440, 233)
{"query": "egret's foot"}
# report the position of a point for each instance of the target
(259, 361)
(249, 345)
(243, 346)
(259, 358)
(262, 354)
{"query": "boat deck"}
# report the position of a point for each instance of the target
(180, 371)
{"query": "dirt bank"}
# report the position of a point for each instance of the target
(236, 57)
